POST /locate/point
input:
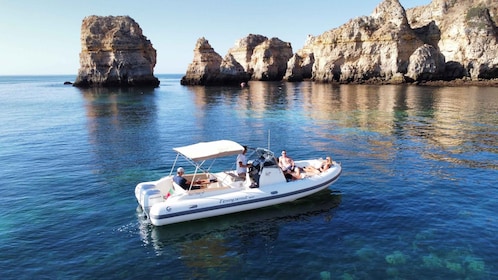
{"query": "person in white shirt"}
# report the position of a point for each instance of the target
(242, 163)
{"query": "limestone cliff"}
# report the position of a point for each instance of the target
(209, 68)
(269, 60)
(446, 39)
(254, 57)
(114, 52)
(370, 47)
(300, 65)
(464, 32)
(243, 49)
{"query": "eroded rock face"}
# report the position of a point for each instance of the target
(243, 49)
(114, 52)
(262, 58)
(269, 60)
(254, 57)
(374, 47)
(300, 66)
(426, 63)
(465, 33)
(209, 68)
(446, 39)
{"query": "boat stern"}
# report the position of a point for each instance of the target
(150, 193)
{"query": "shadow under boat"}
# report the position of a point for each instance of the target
(321, 203)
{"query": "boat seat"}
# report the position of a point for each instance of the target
(177, 188)
(234, 177)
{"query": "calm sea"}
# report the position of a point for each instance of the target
(417, 198)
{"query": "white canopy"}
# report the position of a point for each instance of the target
(208, 150)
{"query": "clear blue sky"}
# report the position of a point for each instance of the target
(43, 37)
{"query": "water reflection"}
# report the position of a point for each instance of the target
(259, 98)
(220, 241)
(121, 126)
(446, 121)
(105, 101)
(413, 148)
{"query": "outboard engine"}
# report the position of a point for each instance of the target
(151, 197)
(141, 189)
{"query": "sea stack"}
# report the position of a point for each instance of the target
(208, 68)
(115, 53)
(254, 57)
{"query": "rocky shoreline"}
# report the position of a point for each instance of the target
(439, 83)
(444, 43)
(460, 83)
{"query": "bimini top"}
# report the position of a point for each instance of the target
(208, 150)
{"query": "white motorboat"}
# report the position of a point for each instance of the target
(219, 193)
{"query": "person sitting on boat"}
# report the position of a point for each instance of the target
(287, 165)
(242, 164)
(180, 180)
(326, 164)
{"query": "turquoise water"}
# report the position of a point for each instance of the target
(416, 200)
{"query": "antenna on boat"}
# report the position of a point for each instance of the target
(269, 140)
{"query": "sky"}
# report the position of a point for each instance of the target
(43, 37)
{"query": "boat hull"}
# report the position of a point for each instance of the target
(203, 205)
(213, 194)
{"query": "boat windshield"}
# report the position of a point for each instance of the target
(261, 155)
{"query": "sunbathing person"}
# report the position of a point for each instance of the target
(326, 164)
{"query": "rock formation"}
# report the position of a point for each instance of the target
(244, 48)
(262, 58)
(446, 39)
(254, 57)
(208, 68)
(464, 32)
(374, 47)
(269, 60)
(426, 63)
(114, 52)
(300, 66)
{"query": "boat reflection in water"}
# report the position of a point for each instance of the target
(228, 233)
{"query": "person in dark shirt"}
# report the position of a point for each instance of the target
(178, 179)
